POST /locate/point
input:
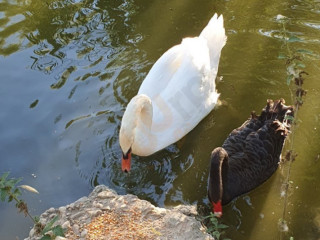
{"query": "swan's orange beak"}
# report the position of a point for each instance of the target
(217, 208)
(126, 162)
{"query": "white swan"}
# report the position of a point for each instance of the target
(178, 92)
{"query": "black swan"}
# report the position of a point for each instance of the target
(250, 154)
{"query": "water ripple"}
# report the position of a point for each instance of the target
(315, 25)
(45, 64)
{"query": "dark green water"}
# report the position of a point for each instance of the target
(68, 69)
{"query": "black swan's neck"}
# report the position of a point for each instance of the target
(218, 175)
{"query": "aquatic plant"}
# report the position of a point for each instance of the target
(295, 65)
(214, 228)
(9, 191)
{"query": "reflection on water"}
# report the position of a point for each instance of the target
(69, 68)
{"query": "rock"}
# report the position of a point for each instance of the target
(106, 194)
(97, 205)
(94, 213)
(186, 210)
(75, 229)
(113, 216)
(84, 233)
(32, 232)
(66, 225)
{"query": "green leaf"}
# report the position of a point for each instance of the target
(216, 234)
(3, 195)
(210, 229)
(293, 38)
(222, 226)
(13, 181)
(17, 192)
(4, 176)
(58, 231)
(214, 220)
(36, 219)
(211, 215)
(49, 225)
(46, 237)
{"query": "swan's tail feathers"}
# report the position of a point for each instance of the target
(216, 38)
(277, 110)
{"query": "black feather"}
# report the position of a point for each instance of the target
(252, 152)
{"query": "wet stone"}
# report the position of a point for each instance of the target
(106, 215)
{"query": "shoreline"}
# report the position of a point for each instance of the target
(106, 215)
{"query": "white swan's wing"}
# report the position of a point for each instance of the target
(189, 95)
(161, 72)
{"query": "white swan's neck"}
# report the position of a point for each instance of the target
(135, 131)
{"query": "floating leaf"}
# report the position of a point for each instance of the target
(29, 188)
(32, 105)
(293, 38)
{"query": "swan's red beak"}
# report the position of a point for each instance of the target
(126, 162)
(217, 208)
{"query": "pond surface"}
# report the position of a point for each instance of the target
(69, 68)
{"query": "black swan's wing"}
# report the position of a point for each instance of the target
(254, 149)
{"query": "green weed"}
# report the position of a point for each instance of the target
(9, 191)
(215, 228)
